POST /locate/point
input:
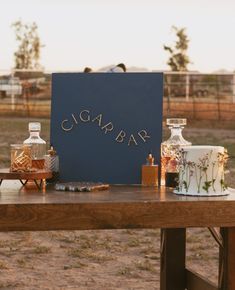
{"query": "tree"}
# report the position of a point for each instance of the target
(179, 59)
(28, 54)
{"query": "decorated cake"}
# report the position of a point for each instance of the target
(201, 171)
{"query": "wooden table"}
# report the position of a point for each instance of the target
(125, 207)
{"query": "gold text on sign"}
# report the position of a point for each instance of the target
(120, 136)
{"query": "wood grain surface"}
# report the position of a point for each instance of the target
(39, 174)
(227, 259)
(25, 208)
(172, 270)
(198, 282)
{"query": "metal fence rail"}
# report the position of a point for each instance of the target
(189, 94)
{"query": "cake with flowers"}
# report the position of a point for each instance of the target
(201, 171)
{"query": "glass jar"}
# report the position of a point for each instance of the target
(52, 164)
(21, 160)
(38, 145)
(170, 152)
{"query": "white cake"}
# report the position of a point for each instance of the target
(201, 171)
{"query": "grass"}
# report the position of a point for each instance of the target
(86, 242)
(146, 266)
(149, 250)
(9, 243)
(192, 239)
(152, 233)
(21, 262)
(3, 265)
(125, 271)
(41, 250)
(10, 285)
(76, 265)
(92, 256)
(201, 256)
(67, 240)
(76, 253)
(130, 232)
(153, 257)
(100, 258)
(134, 242)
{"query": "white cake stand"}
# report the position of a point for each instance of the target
(226, 192)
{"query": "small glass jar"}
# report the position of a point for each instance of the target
(21, 159)
(52, 164)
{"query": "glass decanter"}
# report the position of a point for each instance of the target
(38, 148)
(170, 151)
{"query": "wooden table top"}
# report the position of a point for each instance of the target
(119, 207)
(39, 174)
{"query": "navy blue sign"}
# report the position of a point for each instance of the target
(103, 125)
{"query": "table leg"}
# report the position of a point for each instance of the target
(23, 182)
(173, 274)
(227, 260)
(39, 186)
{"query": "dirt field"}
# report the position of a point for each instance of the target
(120, 259)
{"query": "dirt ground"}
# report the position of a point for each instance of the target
(110, 259)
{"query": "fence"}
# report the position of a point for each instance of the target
(25, 93)
(199, 96)
(191, 95)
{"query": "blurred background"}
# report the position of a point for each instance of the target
(187, 40)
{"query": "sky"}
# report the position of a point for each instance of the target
(96, 33)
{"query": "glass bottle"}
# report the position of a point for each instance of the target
(38, 149)
(170, 151)
(52, 164)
